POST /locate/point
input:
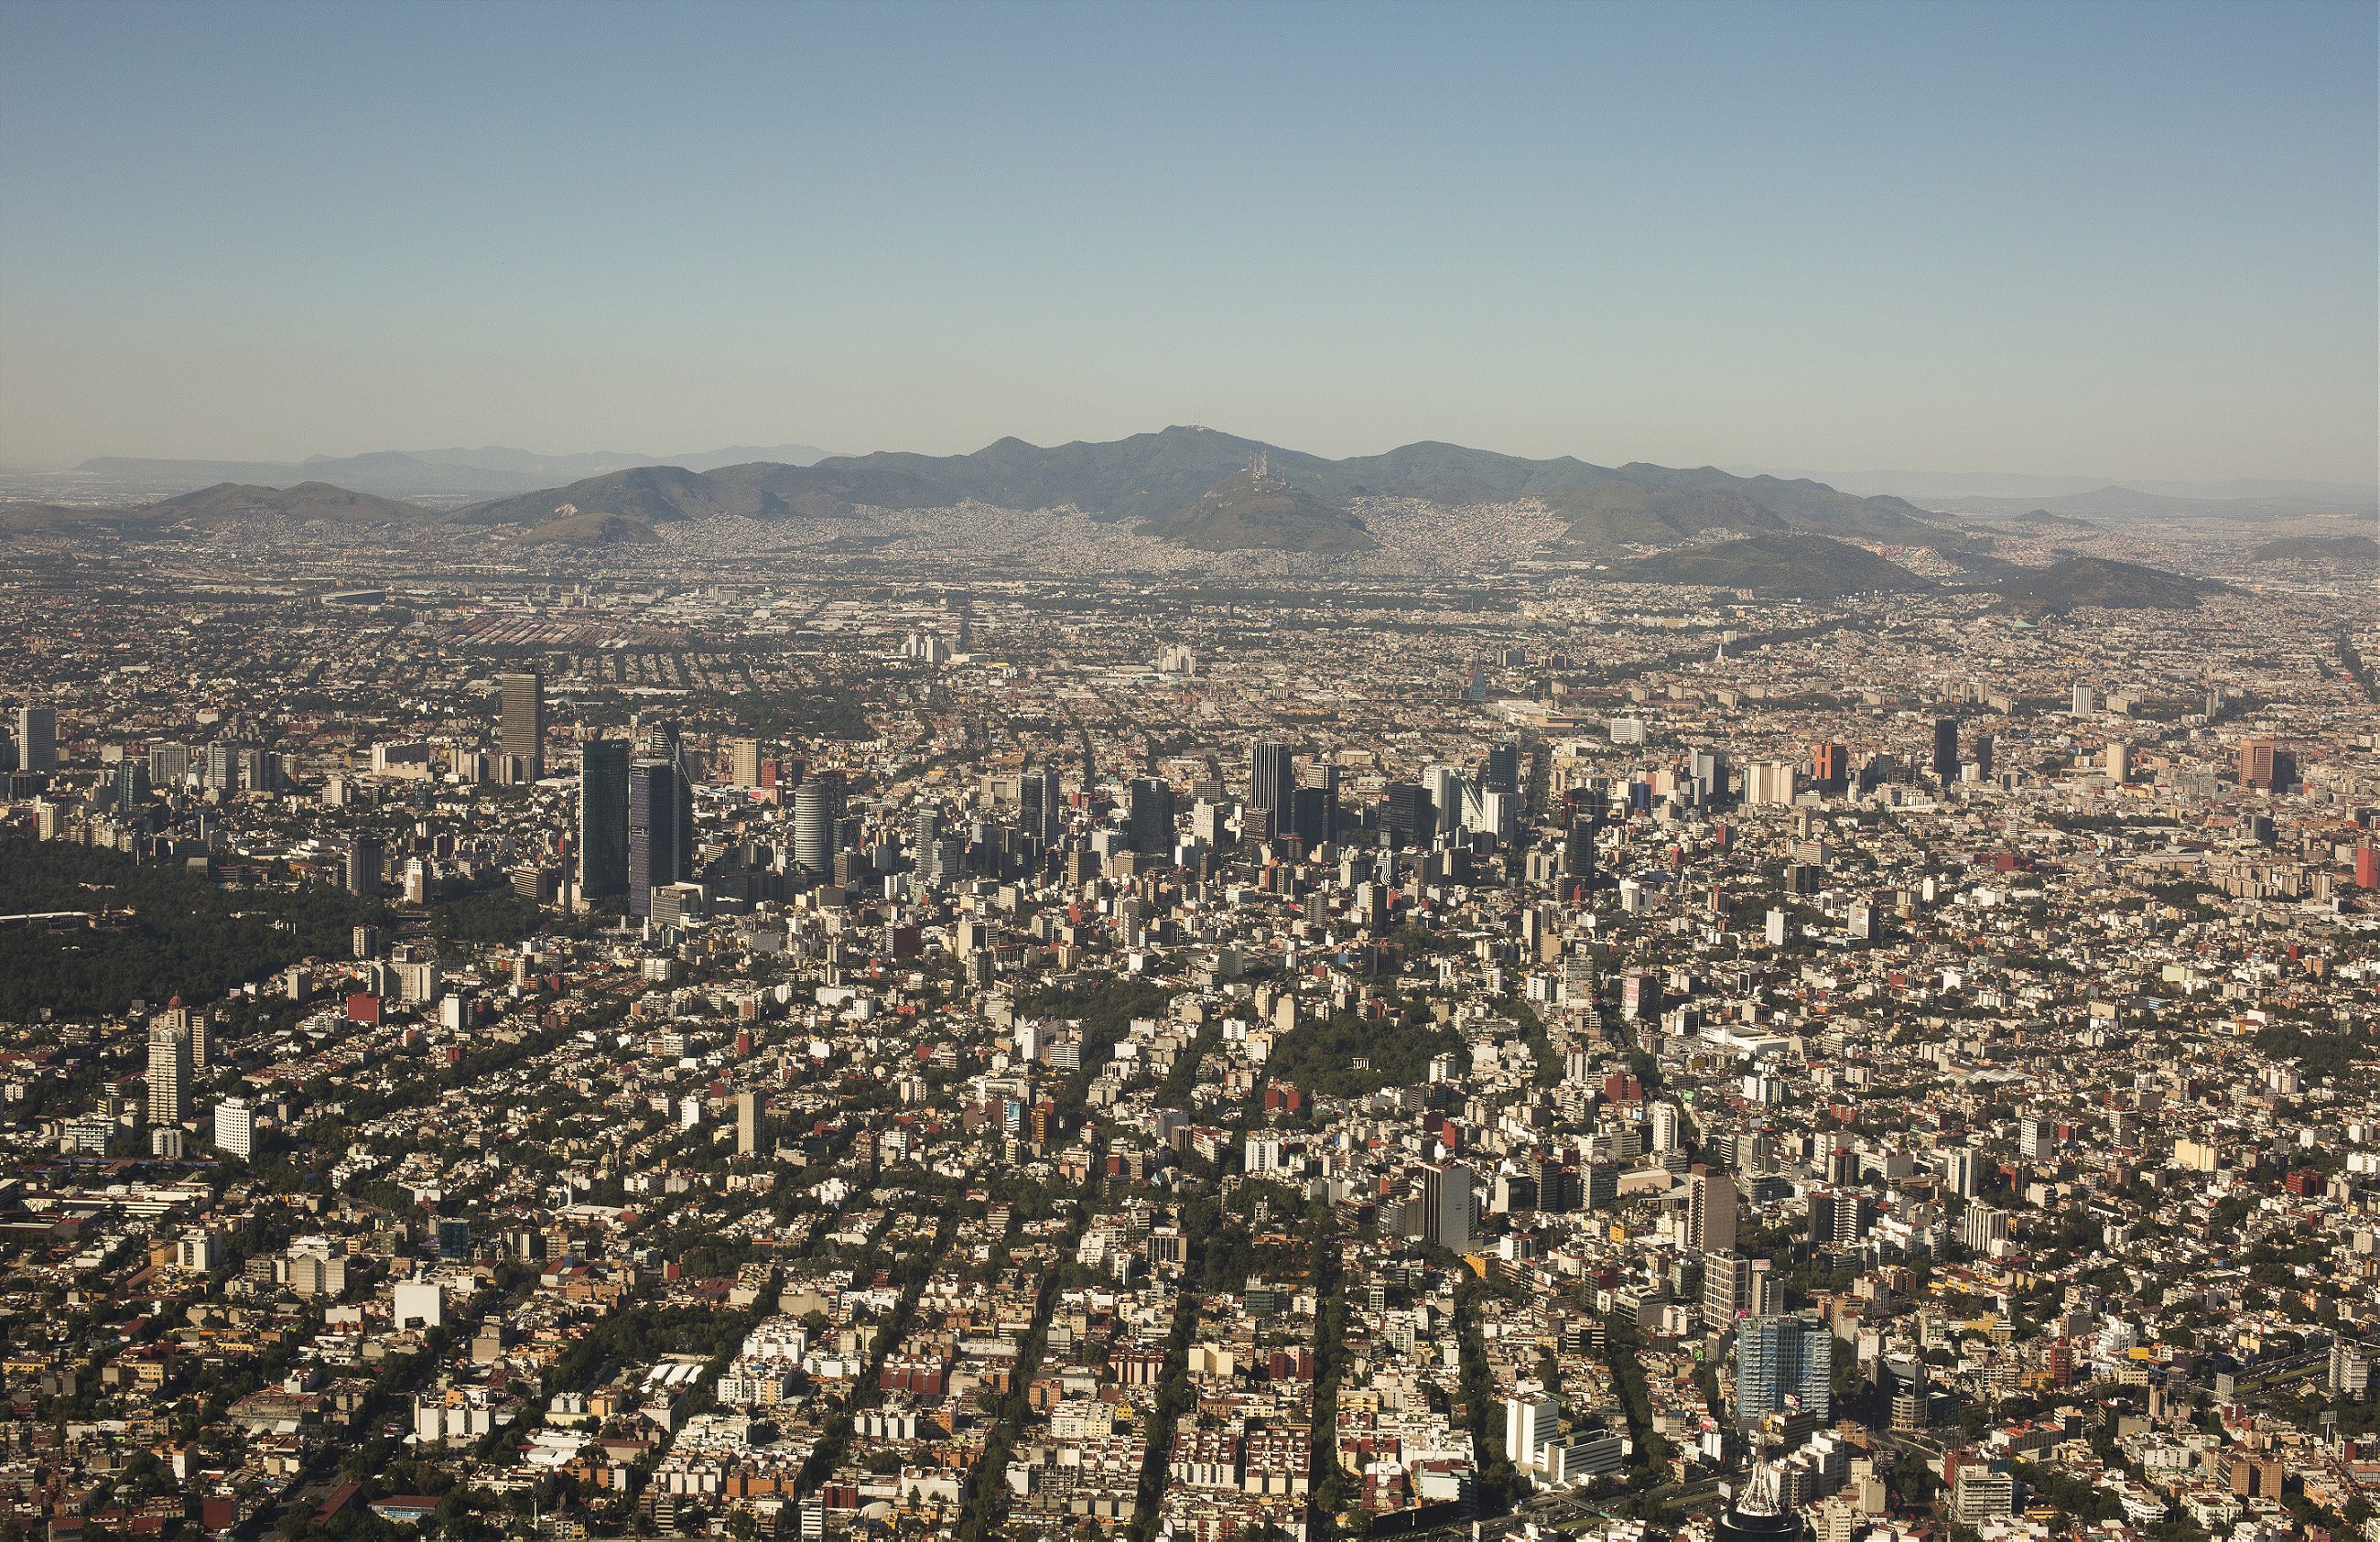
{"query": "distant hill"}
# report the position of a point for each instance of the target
(1150, 478)
(653, 495)
(1246, 512)
(591, 529)
(488, 471)
(389, 473)
(2338, 548)
(2100, 583)
(835, 492)
(64, 519)
(2042, 519)
(2000, 494)
(1805, 566)
(311, 501)
(225, 503)
(1606, 515)
(2127, 502)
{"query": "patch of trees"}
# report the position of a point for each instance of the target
(187, 937)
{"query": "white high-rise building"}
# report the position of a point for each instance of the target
(235, 1128)
(1532, 1422)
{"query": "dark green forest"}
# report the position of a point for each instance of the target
(187, 937)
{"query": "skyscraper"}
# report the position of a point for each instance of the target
(168, 764)
(1446, 1206)
(1410, 819)
(748, 1124)
(1037, 804)
(1314, 817)
(604, 818)
(521, 729)
(364, 861)
(131, 782)
(1273, 780)
(2265, 764)
(1783, 1361)
(1945, 751)
(1578, 847)
(1831, 767)
(744, 762)
(1149, 819)
(1710, 1211)
(1958, 1171)
(657, 854)
(659, 740)
(1502, 773)
(818, 809)
(169, 1072)
(37, 739)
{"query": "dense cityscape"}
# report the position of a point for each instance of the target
(1042, 770)
(966, 1033)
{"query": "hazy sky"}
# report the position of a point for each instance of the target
(2093, 238)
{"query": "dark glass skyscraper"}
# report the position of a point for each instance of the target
(604, 818)
(1315, 809)
(1037, 804)
(1578, 847)
(1504, 770)
(660, 812)
(1945, 751)
(1411, 817)
(1149, 826)
(1273, 780)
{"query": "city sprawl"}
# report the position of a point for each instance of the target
(968, 1029)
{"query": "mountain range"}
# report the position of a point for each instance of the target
(1156, 479)
(1998, 493)
(1814, 567)
(1213, 492)
(489, 470)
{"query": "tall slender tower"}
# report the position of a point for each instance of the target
(521, 726)
(1710, 1211)
(604, 818)
(37, 738)
(169, 1072)
(657, 856)
(1273, 780)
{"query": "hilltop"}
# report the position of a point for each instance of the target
(2339, 548)
(652, 494)
(225, 503)
(1804, 566)
(591, 529)
(1248, 511)
(228, 500)
(2099, 582)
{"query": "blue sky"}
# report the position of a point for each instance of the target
(2129, 240)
